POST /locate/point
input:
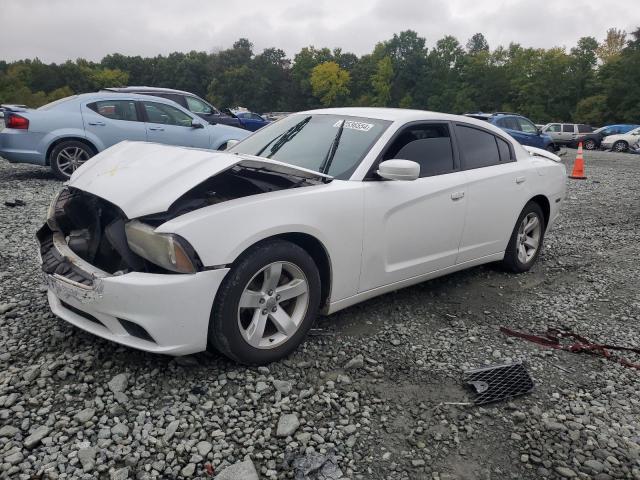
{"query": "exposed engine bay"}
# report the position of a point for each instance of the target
(95, 229)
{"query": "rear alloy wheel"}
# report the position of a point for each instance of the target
(266, 303)
(526, 239)
(620, 146)
(67, 156)
(589, 144)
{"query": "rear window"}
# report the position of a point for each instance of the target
(479, 148)
(51, 105)
(567, 128)
(584, 129)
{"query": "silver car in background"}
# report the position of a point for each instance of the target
(66, 133)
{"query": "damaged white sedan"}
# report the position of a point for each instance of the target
(172, 250)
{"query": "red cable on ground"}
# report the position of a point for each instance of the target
(551, 339)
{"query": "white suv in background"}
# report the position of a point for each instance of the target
(565, 133)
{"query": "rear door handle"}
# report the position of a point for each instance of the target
(157, 129)
(97, 124)
(520, 180)
(457, 195)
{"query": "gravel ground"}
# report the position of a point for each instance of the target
(370, 392)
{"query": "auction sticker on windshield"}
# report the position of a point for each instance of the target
(352, 125)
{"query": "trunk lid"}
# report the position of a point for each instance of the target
(146, 178)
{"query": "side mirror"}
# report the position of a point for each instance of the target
(539, 131)
(196, 124)
(231, 143)
(398, 170)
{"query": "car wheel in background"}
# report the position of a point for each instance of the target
(67, 156)
(589, 144)
(620, 146)
(526, 239)
(551, 148)
(266, 304)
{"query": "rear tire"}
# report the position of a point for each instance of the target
(67, 156)
(620, 146)
(526, 239)
(589, 144)
(266, 304)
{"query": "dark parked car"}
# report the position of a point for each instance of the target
(592, 140)
(520, 128)
(251, 121)
(191, 102)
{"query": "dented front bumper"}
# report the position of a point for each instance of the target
(162, 313)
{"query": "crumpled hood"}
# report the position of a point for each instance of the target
(145, 178)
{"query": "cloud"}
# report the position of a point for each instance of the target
(57, 30)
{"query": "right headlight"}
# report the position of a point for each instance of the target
(163, 249)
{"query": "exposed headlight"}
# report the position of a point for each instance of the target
(163, 249)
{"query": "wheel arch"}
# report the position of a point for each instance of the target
(58, 141)
(316, 250)
(545, 205)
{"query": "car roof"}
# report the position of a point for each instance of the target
(392, 114)
(133, 89)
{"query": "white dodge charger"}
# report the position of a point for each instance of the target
(172, 250)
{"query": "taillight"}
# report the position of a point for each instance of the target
(18, 122)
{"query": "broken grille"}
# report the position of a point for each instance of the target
(492, 384)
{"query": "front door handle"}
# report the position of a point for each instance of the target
(157, 129)
(520, 180)
(457, 195)
(97, 124)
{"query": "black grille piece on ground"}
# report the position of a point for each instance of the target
(499, 382)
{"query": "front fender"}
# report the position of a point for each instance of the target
(332, 213)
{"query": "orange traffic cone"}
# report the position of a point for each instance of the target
(578, 166)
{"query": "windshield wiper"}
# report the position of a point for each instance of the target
(326, 164)
(284, 137)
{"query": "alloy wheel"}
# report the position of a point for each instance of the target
(70, 158)
(619, 146)
(590, 145)
(273, 305)
(529, 235)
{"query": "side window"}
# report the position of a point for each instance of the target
(512, 124)
(502, 123)
(166, 114)
(479, 148)
(504, 150)
(428, 145)
(555, 127)
(116, 109)
(567, 128)
(584, 129)
(526, 126)
(197, 106)
(255, 116)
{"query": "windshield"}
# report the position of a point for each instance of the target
(331, 144)
(635, 131)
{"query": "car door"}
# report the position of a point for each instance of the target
(414, 227)
(554, 130)
(112, 121)
(496, 191)
(170, 125)
(568, 133)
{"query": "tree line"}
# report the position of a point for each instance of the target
(592, 82)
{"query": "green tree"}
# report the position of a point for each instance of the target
(330, 83)
(381, 82)
(611, 48)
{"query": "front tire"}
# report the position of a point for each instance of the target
(266, 304)
(67, 156)
(620, 146)
(551, 148)
(589, 144)
(526, 239)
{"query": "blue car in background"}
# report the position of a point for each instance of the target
(251, 121)
(66, 133)
(520, 128)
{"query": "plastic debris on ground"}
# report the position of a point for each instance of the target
(315, 466)
(498, 382)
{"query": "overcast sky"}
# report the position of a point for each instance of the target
(57, 30)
